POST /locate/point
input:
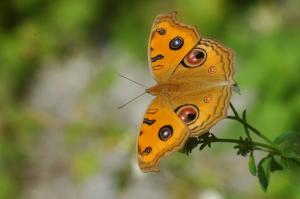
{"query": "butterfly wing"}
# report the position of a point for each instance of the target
(169, 42)
(202, 110)
(209, 61)
(161, 132)
(207, 83)
(202, 72)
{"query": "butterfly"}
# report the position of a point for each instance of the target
(194, 79)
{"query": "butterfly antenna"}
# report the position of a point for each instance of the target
(133, 81)
(132, 100)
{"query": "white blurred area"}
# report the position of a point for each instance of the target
(210, 194)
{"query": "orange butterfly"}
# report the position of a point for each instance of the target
(194, 84)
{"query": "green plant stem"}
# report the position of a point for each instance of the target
(265, 150)
(268, 146)
(272, 149)
(253, 130)
(234, 110)
(247, 125)
(294, 160)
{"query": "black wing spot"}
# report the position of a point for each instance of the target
(165, 132)
(148, 121)
(157, 57)
(147, 151)
(176, 43)
(161, 31)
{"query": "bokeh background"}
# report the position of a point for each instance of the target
(61, 133)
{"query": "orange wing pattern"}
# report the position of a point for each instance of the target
(161, 132)
(169, 42)
(216, 65)
(211, 105)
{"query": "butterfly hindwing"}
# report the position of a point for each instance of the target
(210, 106)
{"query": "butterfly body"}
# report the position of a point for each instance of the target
(163, 89)
(169, 89)
(194, 79)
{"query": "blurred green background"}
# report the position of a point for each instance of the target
(61, 134)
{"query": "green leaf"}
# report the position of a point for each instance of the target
(289, 144)
(252, 165)
(284, 162)
(263, 172)
(288, 163)
(275, 166)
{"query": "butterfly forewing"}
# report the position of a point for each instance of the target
(169, 42)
